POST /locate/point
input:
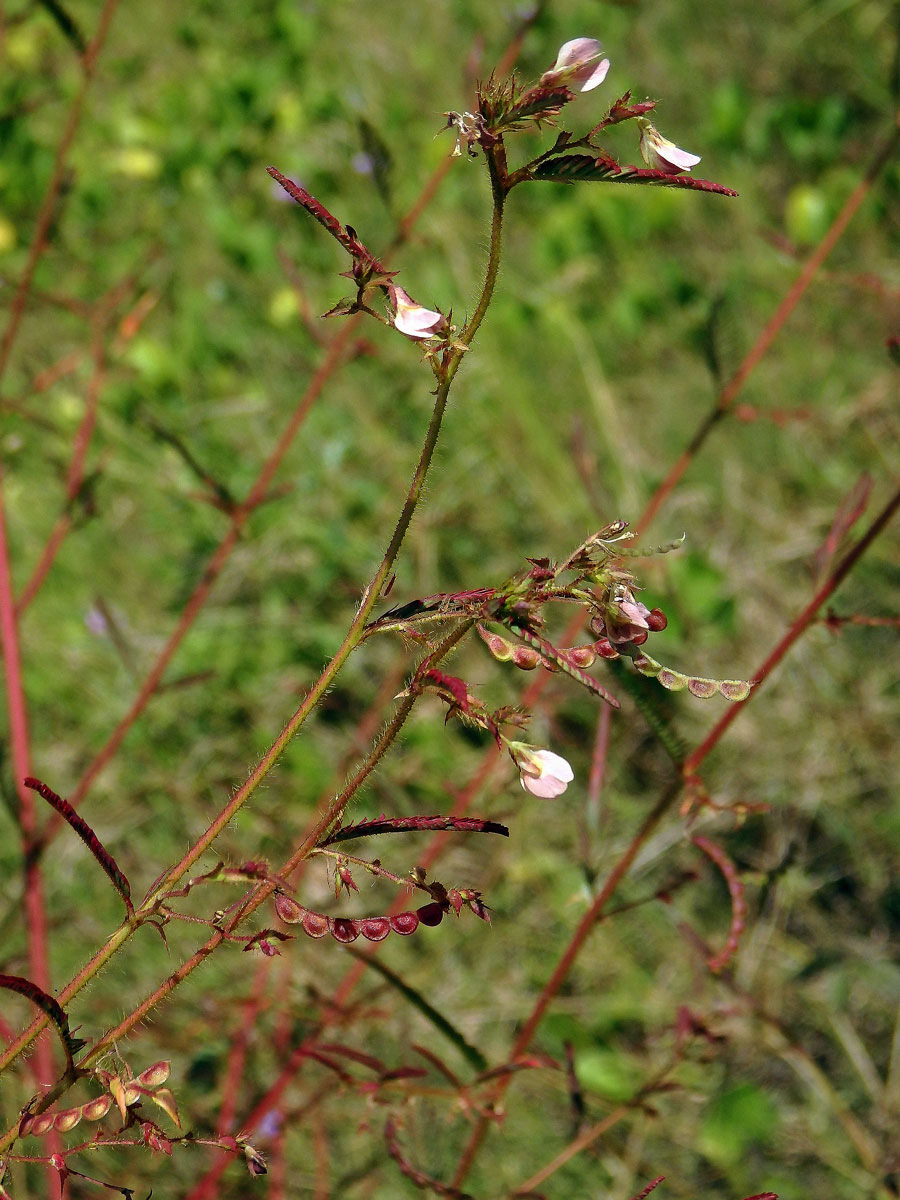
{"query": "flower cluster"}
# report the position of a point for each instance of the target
(580, 66)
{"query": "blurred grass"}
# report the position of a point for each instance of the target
(619, 314)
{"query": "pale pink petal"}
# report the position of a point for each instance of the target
(546, 787)
(636, 612)
(541, 772)
(597, 77)
(577, 52)
(662, 155)
(576, 64)
(414, 320)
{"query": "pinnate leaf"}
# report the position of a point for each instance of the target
(44, 1001)
(87, 835)
(383, 824)
(585, 168)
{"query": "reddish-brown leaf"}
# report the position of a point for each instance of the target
(87, 835)
(46, 1003)
(578, 168)
(649, 1188)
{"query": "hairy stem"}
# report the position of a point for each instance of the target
(354, 635)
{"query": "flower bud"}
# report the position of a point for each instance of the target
(499, 647)
(256, 1164)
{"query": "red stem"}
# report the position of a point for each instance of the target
(51, 195)
(20, 753)
(237, 1054)
(717, 961)
(734, 386)
(571, 952)
(800, 625)
(35, 914)
(74, 476)
(221, 555)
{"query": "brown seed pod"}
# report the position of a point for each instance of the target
(344, 930)
(41, 1124)
(431, 914)
(156, 1075)
(404, 923)
(67, 1119)
(375, 929)
(288, 910)
(314, 924)
(95, 1110)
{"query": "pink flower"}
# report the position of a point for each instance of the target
(541, 772)
(661, 154)
(635, 612)
(414, 320)
(576, 64)
(625, 617)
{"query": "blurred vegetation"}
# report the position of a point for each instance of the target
(619, 315)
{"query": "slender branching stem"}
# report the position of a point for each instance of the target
(351, 640)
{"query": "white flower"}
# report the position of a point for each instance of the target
(541, 772)
(661, 154)
(414, 320)
(577, 63)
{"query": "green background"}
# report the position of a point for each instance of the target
(620, 312)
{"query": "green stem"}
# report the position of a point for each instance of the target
(497, 171)
(351, 640)
(385, 741)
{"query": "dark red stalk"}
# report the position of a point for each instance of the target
(322, 1157)
(448, 822)
(797, 629)
(74, 477)
(20, 754)
(237, 1052)
(51, 195)
(717, 961)
(760, 348)
(642, 1195)
(201, 592)
(335, 355)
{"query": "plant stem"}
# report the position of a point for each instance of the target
(388, 735)
(352, 638)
